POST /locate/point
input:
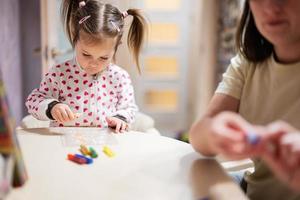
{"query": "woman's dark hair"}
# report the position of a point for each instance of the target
(98, 20)
(249, 41)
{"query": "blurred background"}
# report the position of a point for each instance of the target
(189, 46)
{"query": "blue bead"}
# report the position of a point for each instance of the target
(88, 160)
(252, 138)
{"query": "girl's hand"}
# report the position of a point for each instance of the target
(119, 125)
(229, 136)
(282, 153)
(62, 113)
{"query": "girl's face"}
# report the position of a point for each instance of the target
(96, 56)
(277, 20)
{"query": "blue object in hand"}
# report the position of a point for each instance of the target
(252, 138)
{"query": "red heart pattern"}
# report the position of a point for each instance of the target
(94, 99)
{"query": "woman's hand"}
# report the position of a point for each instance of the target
(229, 136)
(62, 113)
(119, 125)
(282, 153)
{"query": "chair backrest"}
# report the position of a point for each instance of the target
(12, 164)
(30, 122)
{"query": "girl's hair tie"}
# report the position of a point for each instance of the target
(82, 4)
(115, 26)
(84, 19)
(124, 14)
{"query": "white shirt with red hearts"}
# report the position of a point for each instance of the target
(110, 93)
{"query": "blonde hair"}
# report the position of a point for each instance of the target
(100, 20)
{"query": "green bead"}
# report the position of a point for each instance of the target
(93, 153)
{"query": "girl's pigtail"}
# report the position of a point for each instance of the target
(137, 33)
(69, 7)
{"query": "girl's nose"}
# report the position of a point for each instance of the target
(94, 63)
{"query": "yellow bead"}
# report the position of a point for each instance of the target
(108, 151)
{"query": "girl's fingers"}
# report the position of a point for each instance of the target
(118, 126)
(110, 122)
(64, 115)
(127, 127)
(124, 126)
(58, 116)
(55, 117)
(70, 114)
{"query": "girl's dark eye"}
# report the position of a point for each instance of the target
(86, 55)
(104, 58)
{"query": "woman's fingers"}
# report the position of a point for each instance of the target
(276, 130)
(241, 146)
(290, 149)
(228, 134)
(272, 160)
(284, 156)
(231, 126)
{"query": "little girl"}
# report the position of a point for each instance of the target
(90, 90)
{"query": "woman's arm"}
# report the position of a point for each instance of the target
(201, 132)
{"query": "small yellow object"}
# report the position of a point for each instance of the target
(84, 150)
(108, 151)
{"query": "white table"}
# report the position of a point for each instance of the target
(145, 167)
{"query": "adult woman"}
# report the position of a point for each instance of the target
(259, 86)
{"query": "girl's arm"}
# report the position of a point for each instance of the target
(37, 102)
(126, 107)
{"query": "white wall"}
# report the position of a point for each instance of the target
(204, 58)
(30, 40)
